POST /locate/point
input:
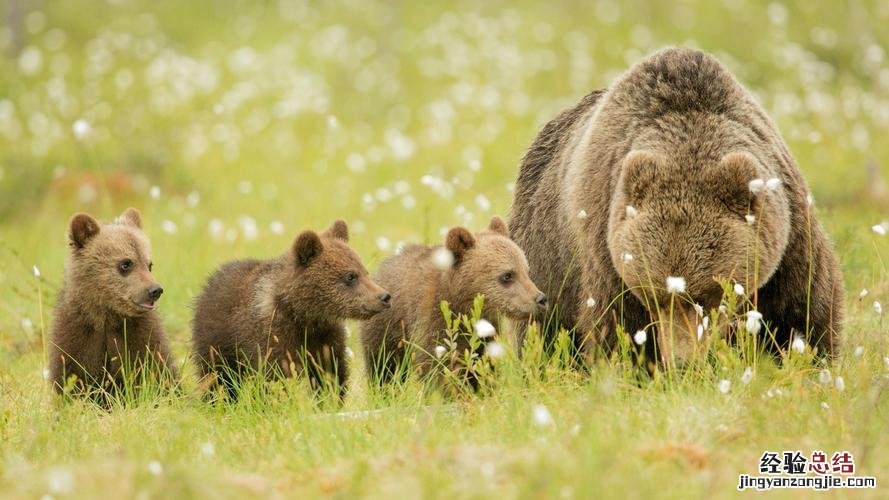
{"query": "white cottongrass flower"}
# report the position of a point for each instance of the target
(747, 375)
(878, 308)
(27, 325)
(276, 227)
(723, 309)
(590, 302)
(880, 228)
(155, 468)
(482, 202)
(82, 129)
(705, 322)
(699, 309)
(886, 361)
(863, 293)
(495, 350)
(724, 386)
(773, 183)
(754, 322)
(739, 289)
(484, 329)
(442, 258)
(46, 374)
(640, 337)
(60, 480)
(169, 227)
(541, 415)
(675, 284)
(208, 449)
(700, 331)
(627, 257)
(383, 243)
(810, 200)
(631, 212)
(193, 199)
(824, 377)
(36, 271)
(798, 344)
(839, 383)
(825, 405)
(859, 351)
(756, 185)
(582, 214)
(751, 219)
(440, 351)
(349, 353)
(154, 192)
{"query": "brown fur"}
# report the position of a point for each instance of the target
(678, 139)
(418, 287)
(285, 315)
(98, 323)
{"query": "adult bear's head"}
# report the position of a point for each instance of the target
(700, 220)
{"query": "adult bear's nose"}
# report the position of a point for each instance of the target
(385, 298)
(540, 300)
(154, 292)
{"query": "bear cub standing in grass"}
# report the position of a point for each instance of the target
(670, 179)
(105, 326)
(284, 316)
(421, 277)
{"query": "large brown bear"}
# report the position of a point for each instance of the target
(284, 316)
(422, 276)
(105, 329)
(673, 172)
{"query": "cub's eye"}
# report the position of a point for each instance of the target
(507, 277)
(350, 279)
(150, 265)
(125, 266)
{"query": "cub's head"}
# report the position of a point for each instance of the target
(490, 263)
(696, 220)
(332, 280)
(110, 265)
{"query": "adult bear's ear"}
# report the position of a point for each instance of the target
(81, 229)
(638, 175)
(459, 241)
(339, 229)
(731, 181)
(498, 225)
(306, 248)
(131, 217)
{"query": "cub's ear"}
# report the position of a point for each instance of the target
(131, 217)
(81, 229)
(339, 230)
(497, 225)
(459, 240)
(731, 180)
(638, 174)
(306, 248)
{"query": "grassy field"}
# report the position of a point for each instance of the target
(234, 125)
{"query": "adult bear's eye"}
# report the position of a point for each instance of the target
(507, 277)
(125, 266)
(350, 279)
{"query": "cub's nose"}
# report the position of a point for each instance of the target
(540, 300)
(154, 292)
(385, 298)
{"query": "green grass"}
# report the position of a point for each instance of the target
(261, 108)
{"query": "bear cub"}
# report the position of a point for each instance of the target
(105, 324)
(421, 277)
(284, 316)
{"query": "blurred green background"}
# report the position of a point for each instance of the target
(233, 125)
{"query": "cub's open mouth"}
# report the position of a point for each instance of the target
(148, 306)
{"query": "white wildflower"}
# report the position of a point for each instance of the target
(631, 212)
(208, 449)
(60, 480)
(773, 183)
(193, 199)
(879, 229)
(750, 219)
(590, 302)
(82, 129)
(440, 351)
(839, 383)
(878, 308)
(825, 405)
(36, 271)
(705, 322)
(154, 192)
(724, 386)
(627, 257)
(46, 374)
(582, 214)
(700, 331)
(756, 185)
(484, 329)
(383, 243)
(276, 227)
(675, 284)
(169, 226)
(810, 200)
(27, 325)
(886, 361)
(754, 322)
(723, 309)
(824, 377)
(739, 289)
(482, 202)
(859, 351)
(640, 337)
(495, 350)
(863, 293)
(442, 258)
(349, 353)
(155, 468)
(798, 344)
(699, 310)
(747, 376)
(542, 416)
